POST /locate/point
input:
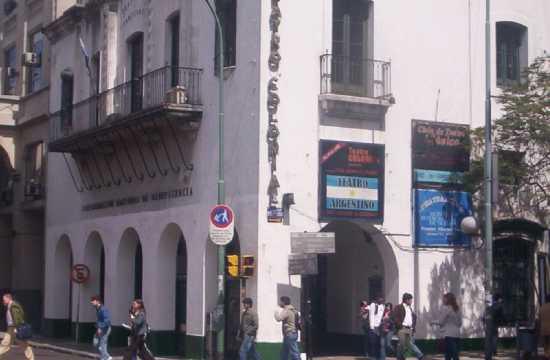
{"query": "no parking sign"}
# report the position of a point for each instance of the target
(222, 225)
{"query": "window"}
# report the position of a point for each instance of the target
(36, 46)
(67, 85)
(10, 76)
(174, 41)
(34, 170)
(227, 12)
(511, 52)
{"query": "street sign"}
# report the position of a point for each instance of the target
(313, 243)
(222, 225)
(80, 273)
(302, 264)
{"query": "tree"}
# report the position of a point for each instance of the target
(521, 137)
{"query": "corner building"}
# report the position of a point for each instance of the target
(133, 158)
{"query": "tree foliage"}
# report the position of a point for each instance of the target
(521, 137)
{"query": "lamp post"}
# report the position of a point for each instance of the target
(220, 321)
(488, 186)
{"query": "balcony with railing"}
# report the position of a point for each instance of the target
(173, 92)
(355, 86)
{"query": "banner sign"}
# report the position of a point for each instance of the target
(437, 217)
(440, 146)
(351, 180)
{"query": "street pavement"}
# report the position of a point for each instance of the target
(16, 353)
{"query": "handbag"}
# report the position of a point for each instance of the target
(24, 332)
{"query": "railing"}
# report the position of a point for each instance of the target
(145, 92)
(345, 75)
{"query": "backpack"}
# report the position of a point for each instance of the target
(298, 321)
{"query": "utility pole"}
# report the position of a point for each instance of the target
(220, 321)
(488, 190)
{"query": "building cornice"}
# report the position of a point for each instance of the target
(65, 24)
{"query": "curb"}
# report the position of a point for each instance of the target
(64, 350)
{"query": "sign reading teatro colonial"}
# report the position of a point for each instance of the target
(351, 181)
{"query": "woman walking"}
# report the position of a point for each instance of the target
(450, 322)
(139, 328)
(387, 330)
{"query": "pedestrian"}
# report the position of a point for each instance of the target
(15, 317)
(387, 329)
(290, 319)
(405, 322)
(376, 312)
(103, 327)
(498, 320)
(139, 329)
(450, 322)
(365, 326)
(248, 331)
(544, 324)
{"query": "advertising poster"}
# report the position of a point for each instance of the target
(351, 180)
(438, 215)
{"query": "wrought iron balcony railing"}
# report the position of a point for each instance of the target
(345, 75)
(168, 86)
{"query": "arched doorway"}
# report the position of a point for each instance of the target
(62, 285)
(94, 258)
(173, 270)
(362, 268)
(129, 274)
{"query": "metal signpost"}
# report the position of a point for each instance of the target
(313, 243)
(80, 274)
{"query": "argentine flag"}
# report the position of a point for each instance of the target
(356, 193)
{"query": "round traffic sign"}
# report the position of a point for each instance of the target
(80, 273)
(222, 224)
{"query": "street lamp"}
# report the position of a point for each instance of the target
(487, 171)
(220, 321)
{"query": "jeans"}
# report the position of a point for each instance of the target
(416, 350)
(374, 344)
(101, 341)
(290, 346)
(366, 340)
(452, 347)
(248, 347)
(406, 342)
(385, 343)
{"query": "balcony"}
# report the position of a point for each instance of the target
(355, 88)
(168, 92)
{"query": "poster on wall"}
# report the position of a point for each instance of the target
(351, 180)
(440, 152)
(437, 217)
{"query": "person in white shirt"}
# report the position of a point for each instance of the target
(376, 312)
(405, 321)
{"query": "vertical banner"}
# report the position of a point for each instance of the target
(351, 181)
(440, 157)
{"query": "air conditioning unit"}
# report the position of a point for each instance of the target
(33, 189)
(11, 72)
(31, 59)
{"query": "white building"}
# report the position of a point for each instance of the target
(133, 170)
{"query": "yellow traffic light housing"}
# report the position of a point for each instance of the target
(232, 265)
(248, 264)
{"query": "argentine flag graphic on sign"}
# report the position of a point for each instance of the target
(355, 193)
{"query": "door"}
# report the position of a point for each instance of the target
(136, 73)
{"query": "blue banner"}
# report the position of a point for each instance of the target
(437, 217)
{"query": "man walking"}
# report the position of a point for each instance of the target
(405, 321)
(376, 312)
(103, 327)
(15, 317)
(289, 317)
(248, 331)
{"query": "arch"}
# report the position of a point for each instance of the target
(94, 258)
(363, 267)
(6, 169)
(62, 277)
(129, 270)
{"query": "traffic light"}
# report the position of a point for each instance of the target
(247, 266)
(232, 265)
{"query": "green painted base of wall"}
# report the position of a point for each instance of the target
(86, 332)
(195, 347)
(269, 351)
(32, 303)
(56, 328)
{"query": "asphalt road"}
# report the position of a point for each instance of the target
(16, 353)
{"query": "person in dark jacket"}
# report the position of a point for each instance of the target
(248, 331)
(139, 328)
(404, 320)
(103, 327)
(15, 317)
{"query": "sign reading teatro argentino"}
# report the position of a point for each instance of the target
(351, 180)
